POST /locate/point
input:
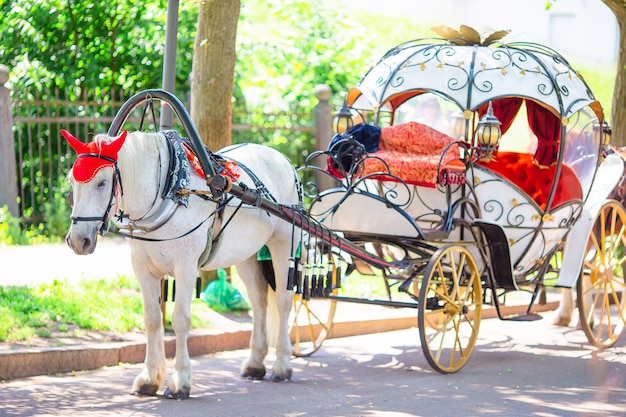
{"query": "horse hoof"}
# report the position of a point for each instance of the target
(561, 321)
(180, 395)
(285, 378)
(253, 373)
(146, 390)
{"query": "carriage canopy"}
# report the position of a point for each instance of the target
(468, 74)
(471, 76)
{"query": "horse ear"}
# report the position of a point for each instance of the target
(115, 146)
(76, 144)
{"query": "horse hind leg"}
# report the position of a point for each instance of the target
(154, 370)
(278, 315)
(563, 314)
(257, 288)
(280, 305)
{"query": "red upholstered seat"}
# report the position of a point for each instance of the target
(534, 181)
(413, 152)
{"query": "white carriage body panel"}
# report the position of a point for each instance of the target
(360, 213)
(424, 204)
(607, 177)
(532, 235)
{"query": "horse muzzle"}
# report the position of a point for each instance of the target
(81, 244)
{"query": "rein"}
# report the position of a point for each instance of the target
(148, 239)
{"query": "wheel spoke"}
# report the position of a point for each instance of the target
(603, 301)
(601, 286)
(452, 280)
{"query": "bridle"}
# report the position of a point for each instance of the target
(117, 179)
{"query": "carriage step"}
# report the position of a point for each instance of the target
(500, 256)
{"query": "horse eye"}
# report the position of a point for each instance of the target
(102, 183)
(69, 198)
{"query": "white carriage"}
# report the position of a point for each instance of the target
(511, 187)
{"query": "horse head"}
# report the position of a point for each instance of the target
(95, 182)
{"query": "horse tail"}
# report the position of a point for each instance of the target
(273, 319)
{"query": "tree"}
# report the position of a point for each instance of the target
(618, 118)
(212, 77)
(213, 71)
(98, 46)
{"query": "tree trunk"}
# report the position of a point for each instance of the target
(618, 116)
(212, 77)
(213, 71)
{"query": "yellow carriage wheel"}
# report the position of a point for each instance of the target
(449, 309)
(601, 288)
(311, 320)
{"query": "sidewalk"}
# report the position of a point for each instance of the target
(28, 265)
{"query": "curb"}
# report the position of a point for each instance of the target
(46, 361)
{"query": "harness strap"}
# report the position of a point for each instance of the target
(219, 233)
(147, 239)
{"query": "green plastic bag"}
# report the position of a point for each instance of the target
(221, 296)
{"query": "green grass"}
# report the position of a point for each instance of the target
(59, 307)
(112, 304)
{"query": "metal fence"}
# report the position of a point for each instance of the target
(43, 157)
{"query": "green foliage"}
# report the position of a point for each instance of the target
(53, 227)
(93, 45)
(89, 304)
(57, 212)
(11, 232)
(286, 47)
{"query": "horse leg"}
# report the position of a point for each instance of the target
(565, 309)
(283, 302)
(257, 287)
(179, 385)
(155, 368)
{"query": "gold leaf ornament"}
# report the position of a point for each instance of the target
(467, 35)
(495, 36)
(449, 34)
(470, 34)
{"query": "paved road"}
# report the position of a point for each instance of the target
(518, 369)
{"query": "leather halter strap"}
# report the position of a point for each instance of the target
(117, 179)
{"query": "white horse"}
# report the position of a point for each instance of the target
(129, 173)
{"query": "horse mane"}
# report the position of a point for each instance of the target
(132, 158)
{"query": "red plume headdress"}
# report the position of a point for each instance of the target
(93, 156)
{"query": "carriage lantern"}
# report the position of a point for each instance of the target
(343, 118)
(487, 134)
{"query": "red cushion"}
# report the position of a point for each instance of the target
(413, 152)
(534, 181)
